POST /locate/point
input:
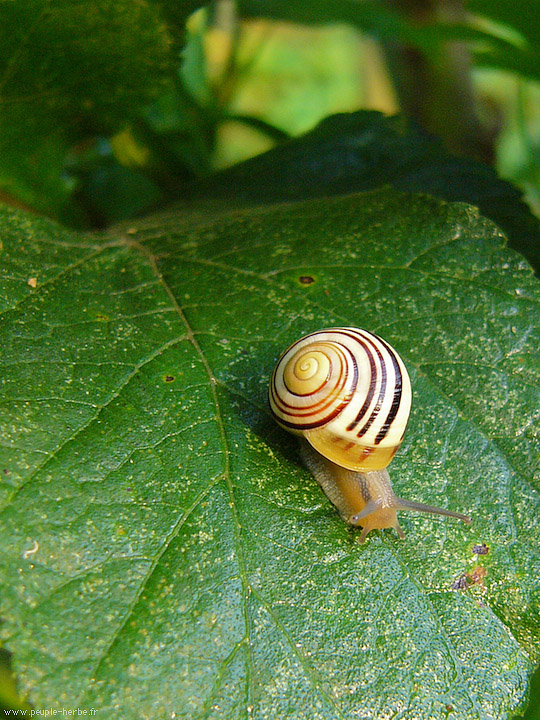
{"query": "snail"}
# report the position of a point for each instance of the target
(346, 393)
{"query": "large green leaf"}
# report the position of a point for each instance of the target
(364, 150)
(163, 552)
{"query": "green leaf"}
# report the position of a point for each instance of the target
(163, 552)
(533, 709)
(517, 15)
(365, 150)
(51, 57)
(69, 70)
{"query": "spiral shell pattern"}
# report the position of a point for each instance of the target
(347, 392)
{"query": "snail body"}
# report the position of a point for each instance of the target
(346, 393)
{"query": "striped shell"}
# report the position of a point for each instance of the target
(347, 392)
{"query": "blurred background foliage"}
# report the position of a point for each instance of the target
(112, 109)
(108, 110)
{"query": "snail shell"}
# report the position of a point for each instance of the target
(347, 393)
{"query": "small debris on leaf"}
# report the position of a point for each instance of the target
(32, 282)
(460, 583)
(482, 549)
(476, 577)
(27, 553)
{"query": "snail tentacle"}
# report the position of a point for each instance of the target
(421, 507)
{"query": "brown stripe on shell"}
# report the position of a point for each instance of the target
(318, 407)
(376, 410)
(323, 404)
(396, 401)
(371, 391)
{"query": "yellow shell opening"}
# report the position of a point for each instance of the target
(347, 454)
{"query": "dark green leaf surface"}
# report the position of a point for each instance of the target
(163, 553)
(365, 150)
(520, 18)
(52, 59)
(69, 70)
